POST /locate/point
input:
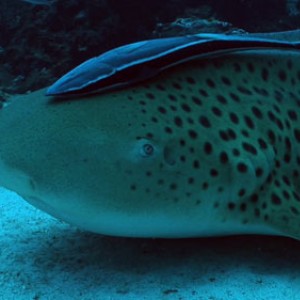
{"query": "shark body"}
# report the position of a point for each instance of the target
(209, 147)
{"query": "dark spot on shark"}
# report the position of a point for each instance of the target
(168, 130)
(208, 148)
(160, 87)
(235, 97)
(190, 80)
(242, 167)
(292, 115)
(193, 134)
(204, 122)
(244, 90)
(297, 134)
(261, 91)
(191, 180)
(162, 110)
(203, 93)
(154, 119)
(186, 107)
(234, 118)
(177, 86)
(196, 164)
(275, 199)
(214, 172)
(196, 100)
(250, 67)
(133, 187)
(264, 74)
(249, 122)
(222, 99)
(150, 96)
(231, 206)
(226, 80)
(216, 111)
(249, 148)
(223, 157)
(172, 97)
(210, 83)
(282, 75)
(294, 210)
(257, 112)
(178, 121)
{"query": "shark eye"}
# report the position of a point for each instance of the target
(147, 150)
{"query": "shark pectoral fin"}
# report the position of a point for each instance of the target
(281, 211)
(276, 203)
(251, 170)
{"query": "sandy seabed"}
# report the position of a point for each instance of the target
(42, 258)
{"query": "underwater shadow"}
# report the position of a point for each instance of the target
(80, 250)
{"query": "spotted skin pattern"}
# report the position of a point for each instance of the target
(210, 147)
(239, 135)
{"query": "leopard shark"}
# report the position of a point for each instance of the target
(207, 147)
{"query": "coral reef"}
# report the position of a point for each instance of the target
(293, 7)
(38, 43)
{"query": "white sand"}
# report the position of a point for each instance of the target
(42, 258)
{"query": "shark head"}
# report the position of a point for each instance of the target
(113, 163)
